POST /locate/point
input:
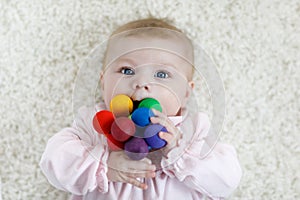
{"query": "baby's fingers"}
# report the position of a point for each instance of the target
(141, 175)
(136, 179)
(163, 120)
(141, 166)
(137, 183)
(166, 136)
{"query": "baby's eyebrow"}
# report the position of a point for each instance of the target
(125, 60)
(160, 64)
(167, 64)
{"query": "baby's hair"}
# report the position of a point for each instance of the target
(149, 27)
(145, 23)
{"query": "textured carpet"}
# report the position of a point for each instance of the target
(254, 44)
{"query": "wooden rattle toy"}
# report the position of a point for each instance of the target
(122, 125)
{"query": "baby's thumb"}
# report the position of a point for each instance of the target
(147, 161)
(166, 136)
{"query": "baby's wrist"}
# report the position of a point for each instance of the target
(173, 144)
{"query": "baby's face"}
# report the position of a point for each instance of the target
(141, 68)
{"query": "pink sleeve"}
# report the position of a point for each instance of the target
(75, 158)
(216, 175)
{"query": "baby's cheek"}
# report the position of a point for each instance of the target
(172, 108)
(170, 103)
(119, 88)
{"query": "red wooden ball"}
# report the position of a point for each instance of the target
(122, 129)
(113, 144)
(102, 121)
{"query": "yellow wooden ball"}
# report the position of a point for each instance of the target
(121, 105)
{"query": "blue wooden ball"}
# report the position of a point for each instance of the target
(152, 138)
(141, 116)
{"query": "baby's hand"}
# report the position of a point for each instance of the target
(172, 137)
(123, 169)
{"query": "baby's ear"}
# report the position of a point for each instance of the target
(190, 88)
(191, 84)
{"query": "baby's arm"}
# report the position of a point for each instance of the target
(75, 158)
(215, 175)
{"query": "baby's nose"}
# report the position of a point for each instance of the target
(142, 83)
(144, 86)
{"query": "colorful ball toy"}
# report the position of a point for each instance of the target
(151, 136)
(122, 126)
(121, 105)
(136, 148)
(141, 116)
(102, 121)
(151, 104)
(122, 129)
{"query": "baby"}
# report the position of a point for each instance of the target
(144, 58)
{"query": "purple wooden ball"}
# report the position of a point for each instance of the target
(152, 138)
(136, 148)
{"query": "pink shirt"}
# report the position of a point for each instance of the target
(75, 160)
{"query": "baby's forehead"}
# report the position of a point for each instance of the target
(152, 50)
(172, 43)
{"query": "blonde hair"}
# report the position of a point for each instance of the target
(145, 23)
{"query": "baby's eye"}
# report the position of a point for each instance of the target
(127, 71)
(161, 74)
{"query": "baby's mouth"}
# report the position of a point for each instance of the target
(136, 104)
(136, 99)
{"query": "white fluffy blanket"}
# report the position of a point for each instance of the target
(255, 45)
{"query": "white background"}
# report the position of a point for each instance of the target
(255, 45)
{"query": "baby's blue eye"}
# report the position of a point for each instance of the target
(161, 74)
(127, 71)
